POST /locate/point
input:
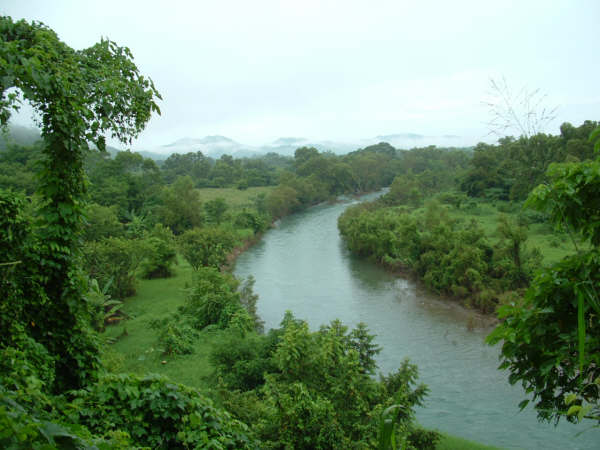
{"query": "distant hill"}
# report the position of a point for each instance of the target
(215, 145)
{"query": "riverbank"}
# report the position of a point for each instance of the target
(134, 348)
(481, 255)
(303, 266)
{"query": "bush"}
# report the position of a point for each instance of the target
(207, 246)
(158, 414)
(161, 254)
(241, 362)
(250, 219)
(116, 259)
(212, 299)
(101, 222)
(175, 336)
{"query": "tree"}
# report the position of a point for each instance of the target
(182, 208)
(79, 96)
(206, 247)
(551, 341)
(215, 210)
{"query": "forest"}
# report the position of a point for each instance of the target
(509, 229)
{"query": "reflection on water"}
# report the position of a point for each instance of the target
(303, 266)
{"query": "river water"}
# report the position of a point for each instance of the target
(302, 265)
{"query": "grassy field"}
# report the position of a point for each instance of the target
(235, 198)
(135, 348)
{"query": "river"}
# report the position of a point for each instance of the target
(302, 265)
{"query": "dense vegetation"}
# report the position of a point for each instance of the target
(549, 310)
(80, 227)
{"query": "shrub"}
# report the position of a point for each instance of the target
(175, 336)
(158, 414)
(212, 299)
(161, 254)
(116, 259)
(207, 246)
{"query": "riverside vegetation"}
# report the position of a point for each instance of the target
(80, 228)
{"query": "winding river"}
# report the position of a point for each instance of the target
(303, 266)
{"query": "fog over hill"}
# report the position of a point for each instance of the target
(215, 145)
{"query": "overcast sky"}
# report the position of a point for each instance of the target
(342, 70)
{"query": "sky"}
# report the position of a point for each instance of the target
(346, 70)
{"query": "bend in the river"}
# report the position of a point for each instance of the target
(303, 266)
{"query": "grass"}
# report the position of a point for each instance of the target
(135, 349)
(235, 198)
(449, 442)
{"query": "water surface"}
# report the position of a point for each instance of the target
(303, 266)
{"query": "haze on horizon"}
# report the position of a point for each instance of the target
(345, 71)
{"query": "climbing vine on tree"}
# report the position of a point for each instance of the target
(80, 96)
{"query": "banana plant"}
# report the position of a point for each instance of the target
(101, 305)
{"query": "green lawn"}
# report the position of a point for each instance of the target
(135, 349)
(235, 198)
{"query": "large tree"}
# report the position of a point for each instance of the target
(80, 96)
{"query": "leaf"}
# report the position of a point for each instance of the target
(570, 398)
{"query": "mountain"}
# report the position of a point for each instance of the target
(213, 146)
(288, 145)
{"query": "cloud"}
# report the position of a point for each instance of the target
(259, 70)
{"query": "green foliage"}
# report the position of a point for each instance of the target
(251, 219)
(115, 259)
(212, 299)
(248, 300)
(158, 414)
(161, 254)
(541, 337)
(101, 222)
(102, 306)
(206, 247)
(175, 336)
(514, 167)
(79, 96)
(551, 341)
(451, 258)
(20, 429)
(215, 210)
(315, 389)
(571, 198)
(181, 207)
(282, 201)
(300, 419)
(241, 362)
